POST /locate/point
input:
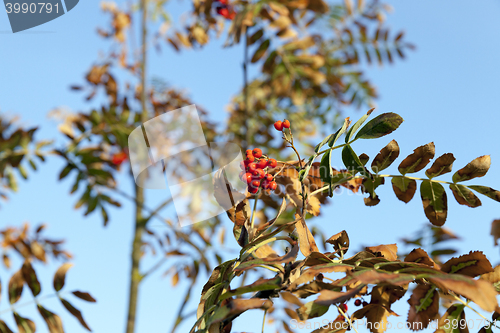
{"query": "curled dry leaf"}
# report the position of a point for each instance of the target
(75, 312)
(420, 256)
(339, 241)
(387, 251)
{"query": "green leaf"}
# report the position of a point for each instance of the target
(259, 53)
(434, 201)
(304, 172)
(67, 169)
(311, 310)
(476, 168)
(352, 161)
(453, 320)
(325, 167)
(464, 196)
(336, 136)
(381, 125)
(31, 279)
(357, 125)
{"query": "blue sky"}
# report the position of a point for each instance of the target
(446, 90)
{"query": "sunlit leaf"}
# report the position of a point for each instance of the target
(418, 159)
(381, 125)
(477, 168)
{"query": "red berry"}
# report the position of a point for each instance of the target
(253, 190)
(357, 302)
(248, 152)
(278, 125)
(255, 183)
(365, 303)
(252, 167)
(119, 158)
(247, 177)
(286, 123)
(257, 152)
(231, 15)
(343, 307)
(265, 184)
(261, 164)
(223, 11)
(259, 173)
(269, 177)
(250, 158)
(272, 163)
(272, 185)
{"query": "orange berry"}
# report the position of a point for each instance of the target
(119, 158)
(247, 177)
(257, 152)
(250, 158)
(269, 177)
(272, 163)
(252, 167)
(278, 125)
(273, 185)
(255, 183)
(286, 123)
(248, 152)
(261, 164)
(259, 173)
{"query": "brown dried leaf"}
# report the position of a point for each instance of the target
(442, 165)
(495, 230)
(464, 196)
(339, 241)
(374, 314)
(23, 324)
(476, 168)
(420, 256)
(492, 277)
(4, 328)
(418, 159)
(404, 188)
(387, 251)
(60, 276)
(472, 264)
(16, 285)
(480, 292)
(53, 321)
(75, 312)
(85, 296)
(424, 306)
(237, 306)
(329, 297)
(306, 239)
(31, 279)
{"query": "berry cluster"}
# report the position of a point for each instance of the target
(254, 171)
(225, 9)
(280, 125)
